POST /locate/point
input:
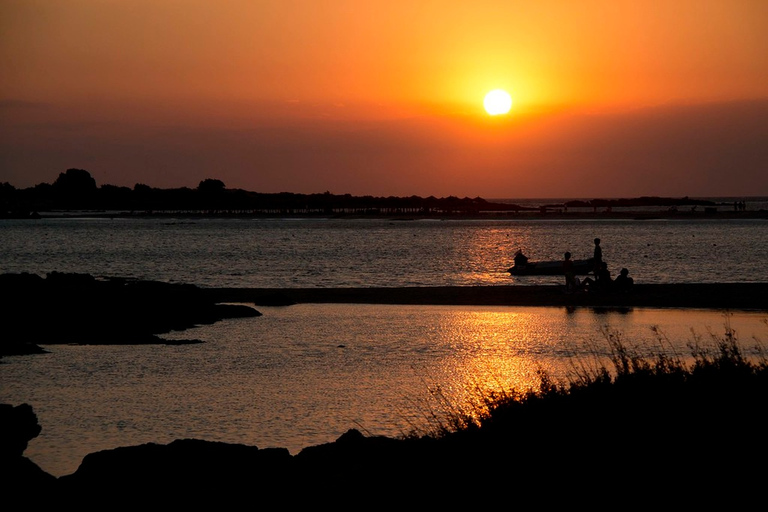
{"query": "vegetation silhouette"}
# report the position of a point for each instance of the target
(76, 190)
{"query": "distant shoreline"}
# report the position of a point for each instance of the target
(721, 296)
(76, 194)
(718, 214)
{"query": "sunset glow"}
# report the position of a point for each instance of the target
(383, 97)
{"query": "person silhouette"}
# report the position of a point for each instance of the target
(569, 271)
(602, 280)
(597, 258)
(623, 283)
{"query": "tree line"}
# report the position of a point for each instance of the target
(76, 190)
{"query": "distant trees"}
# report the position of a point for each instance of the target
(76, 189)
(75, 181)
(6, 189)
(210, 185)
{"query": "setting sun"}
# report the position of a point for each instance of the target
(497, 102)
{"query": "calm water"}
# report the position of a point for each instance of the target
(303, 375)
(328, 253)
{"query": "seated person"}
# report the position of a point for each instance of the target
(623, 282)
(602, 280)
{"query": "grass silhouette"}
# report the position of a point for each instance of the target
(680, 429)
(694, 420)
(720, 375)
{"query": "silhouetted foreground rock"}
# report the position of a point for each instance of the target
(582, 450)
(78, 308)
(18, 426)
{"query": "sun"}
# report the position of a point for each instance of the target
(497, 102)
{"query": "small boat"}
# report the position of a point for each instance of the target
(549, 268)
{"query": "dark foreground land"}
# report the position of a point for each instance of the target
(658, 436)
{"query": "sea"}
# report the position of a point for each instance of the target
(302, 375)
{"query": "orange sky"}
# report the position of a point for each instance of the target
(610, 98)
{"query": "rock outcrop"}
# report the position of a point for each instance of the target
(18, 426)
(79, 308)
(570, 455)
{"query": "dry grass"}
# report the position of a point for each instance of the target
(629, 391)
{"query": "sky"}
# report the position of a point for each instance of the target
(385, 97)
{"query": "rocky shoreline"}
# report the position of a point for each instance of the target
(80, 308)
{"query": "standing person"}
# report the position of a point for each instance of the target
(597, 258)
(571, 282)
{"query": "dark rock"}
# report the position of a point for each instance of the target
(525, 465)
(18, 426)
(13, 348)
(186, 472)
(78, 308)
(184, 461)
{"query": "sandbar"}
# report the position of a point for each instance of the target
(719, 296)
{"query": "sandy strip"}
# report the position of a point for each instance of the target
(728, 296)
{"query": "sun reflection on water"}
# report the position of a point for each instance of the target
(507, 351)
(494, 244)
(493, 353)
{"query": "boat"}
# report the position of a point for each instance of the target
(549, 268)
